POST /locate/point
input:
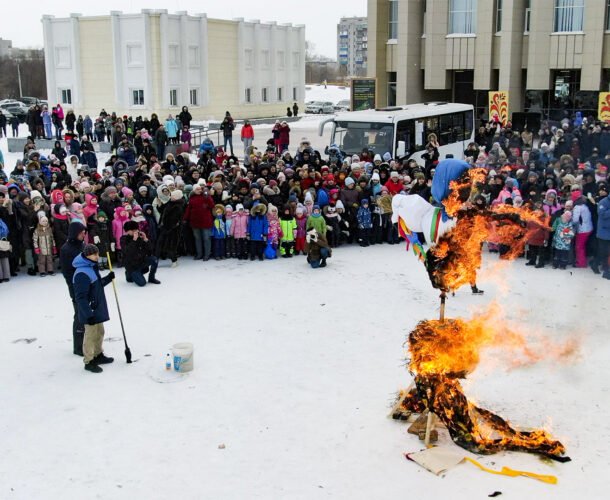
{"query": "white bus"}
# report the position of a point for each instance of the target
(403, 131)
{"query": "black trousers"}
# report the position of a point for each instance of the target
(78, 331)
(602, 254)
(257, 248)
(241, 247)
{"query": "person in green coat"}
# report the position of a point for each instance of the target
(289, 231)
(316, 221)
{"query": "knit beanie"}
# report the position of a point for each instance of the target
(176, 195)
(90, 249)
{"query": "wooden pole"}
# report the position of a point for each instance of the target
(443, 297)
(429, 425)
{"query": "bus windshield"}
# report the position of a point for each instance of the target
(353, 137)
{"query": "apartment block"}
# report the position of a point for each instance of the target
(352, 46)
(552, 56)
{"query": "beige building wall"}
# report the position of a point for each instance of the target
(437, 18)
(593, 45)
(510, 40)
(484, 46)
(377, 46)
(409, 77)
(98, 71)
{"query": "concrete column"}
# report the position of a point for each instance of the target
(511, 46)
(149, 97)
(274, 45)
(119, 90)
(539, 51)
(240, 61)
(203, 60)
(436, 74)
(594, 26)
(378, 11)
(49, 59)
(256, 64)
(409, 76)
(77, 77)
(184, 60)
(301, 84)
(483, 44)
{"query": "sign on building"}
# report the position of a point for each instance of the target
(498, 106)
(603, 111)
(364, 93)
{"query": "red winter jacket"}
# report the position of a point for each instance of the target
(394, 187)
(247, 131)
(285, 135)
(199, 212)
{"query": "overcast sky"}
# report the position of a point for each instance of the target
(21, 19)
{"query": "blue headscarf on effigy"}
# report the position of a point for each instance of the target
(446, 171)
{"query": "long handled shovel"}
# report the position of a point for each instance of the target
(116, 296)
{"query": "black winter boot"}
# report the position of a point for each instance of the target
(102, 359)
(476, 291)
(93, 368)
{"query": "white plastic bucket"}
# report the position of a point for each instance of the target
(183, 356)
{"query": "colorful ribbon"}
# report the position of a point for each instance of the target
(412, 239)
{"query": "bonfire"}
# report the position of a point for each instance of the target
(441, 352)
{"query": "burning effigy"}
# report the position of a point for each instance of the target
(444, 351)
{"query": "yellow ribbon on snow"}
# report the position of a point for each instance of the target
(514, 473)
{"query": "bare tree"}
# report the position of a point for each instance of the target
(33, 75)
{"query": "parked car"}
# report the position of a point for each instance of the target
(343, 105)
(319, 107)
(17, 109)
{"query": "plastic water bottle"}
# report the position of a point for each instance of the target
(168, 362)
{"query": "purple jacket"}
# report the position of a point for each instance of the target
(301, 227)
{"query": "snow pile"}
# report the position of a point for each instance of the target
(295, 371)
(332, 93)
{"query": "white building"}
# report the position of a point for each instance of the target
(137, 64)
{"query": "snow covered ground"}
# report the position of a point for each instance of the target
(295, 371)
(332, 93)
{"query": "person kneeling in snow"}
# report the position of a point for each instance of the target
(317, 249)
(91, 305)
(138, 255)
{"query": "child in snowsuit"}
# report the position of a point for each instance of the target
(138, 216)
(537, 235)
(343, 224)
(219, 233)
(229, 240)
(301, 222)
(364, 222)
(239, 232)
(289, 231)
(317, 249)
(377, 219)
(120, 217)
(275, 229)
(44, 246)
(316, 221)
(60, 224)
(332, 219)
(149, 215)
(562, 240)
(258, 227)
(101, 235)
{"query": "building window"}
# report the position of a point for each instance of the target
(173, 98)
(248, 96)
(193, 56)
(393, 19)
(137, 97)
(266, 59)
(392, 88)
(528, 15)
(569, 15)
(295, 60)
(294, 93)
(608, 16)
(463, 16)
(280, 94)
(498, 16)
(265, 94)
(62, 57)
(424, 9)
(174, 55)
(134, 55)
(65, 96)
(280, 59)
(194, 97)
(248, 58)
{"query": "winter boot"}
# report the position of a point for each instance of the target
(93, 368)
(153, 280)
(102, 359)
(128, 278)
(530, 263)
(595, 268)
(606, 275)
(31, 271)
(476, 291)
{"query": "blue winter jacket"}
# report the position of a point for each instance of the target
(171, 127)
(89, 291)
(322, 198)
(603, 219)
(90, 159)
(364, 218)
(74, 147)
(219, 228)
(258, 227)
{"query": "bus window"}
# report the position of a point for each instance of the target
(468, 125)
(458, 127)
(446, 135)
(405, 131)
(430, 127)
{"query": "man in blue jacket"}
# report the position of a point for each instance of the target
(92, 306)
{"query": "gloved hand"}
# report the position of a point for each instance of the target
(91, 321)
(110, 275)
(37, 251)
(96, 240)
(112, 247)
(329, 228)
(54, 250)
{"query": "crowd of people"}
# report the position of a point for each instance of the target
(142, 205)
